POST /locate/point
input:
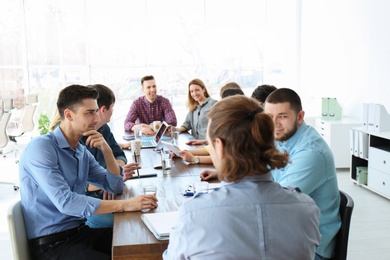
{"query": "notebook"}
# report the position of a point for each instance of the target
(156, 138)
(145, 173)
(160, 224)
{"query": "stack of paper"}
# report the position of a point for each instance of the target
(160, 224)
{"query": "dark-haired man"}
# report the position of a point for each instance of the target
(54, 170)
(311, 166)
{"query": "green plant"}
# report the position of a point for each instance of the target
(43, 124)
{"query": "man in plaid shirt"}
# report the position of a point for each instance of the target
(149, 108)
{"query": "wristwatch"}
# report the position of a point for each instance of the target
(196, 160)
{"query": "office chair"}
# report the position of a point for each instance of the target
(346, 208)
(17, 232)
(26, 125)
(4, 139)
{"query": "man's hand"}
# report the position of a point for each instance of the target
(129, 169)
(147, 129)
(96, 140)
(107, 195)
(141, 202)
(208, 174)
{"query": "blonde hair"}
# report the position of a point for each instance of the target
(55, 121)
(191, 103)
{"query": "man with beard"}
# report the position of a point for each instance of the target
(149, 108)
(311, 166)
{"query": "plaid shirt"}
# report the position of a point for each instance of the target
(144, 112)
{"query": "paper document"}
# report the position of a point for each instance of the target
(160, 224)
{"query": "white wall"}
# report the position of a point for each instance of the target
(345, 53)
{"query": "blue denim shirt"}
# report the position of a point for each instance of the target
(53, 178)
(312, 169)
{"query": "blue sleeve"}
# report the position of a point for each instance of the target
(306, 170)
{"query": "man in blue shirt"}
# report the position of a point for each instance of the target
(54, 170)
(311, 166)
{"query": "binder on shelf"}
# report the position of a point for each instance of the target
(375, 118)
(363, 144)
(351, 140)
(365, 116)
(331, 109)
(381, 119)
(356, 144)
(361, 175)
(371, 117)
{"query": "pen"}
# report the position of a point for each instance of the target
(135, 158)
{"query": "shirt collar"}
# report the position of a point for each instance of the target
(205, 102)
(61, 140)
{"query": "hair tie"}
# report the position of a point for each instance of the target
(252, 114)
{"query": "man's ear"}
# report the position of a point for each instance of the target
(68, 114)
(301, 116)
(102, 109)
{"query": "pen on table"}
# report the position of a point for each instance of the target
(135, 158)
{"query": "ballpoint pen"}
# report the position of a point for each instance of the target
(135, 158)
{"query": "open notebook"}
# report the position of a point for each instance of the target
(160, 224)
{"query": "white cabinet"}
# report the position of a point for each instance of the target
(377, 163)
(336, 135)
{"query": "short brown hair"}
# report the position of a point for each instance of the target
(247, 136)
(146, 78)
(285, 95)
(230, 85)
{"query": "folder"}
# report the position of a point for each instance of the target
(363, 144)
(361, 175)
(334, 110)
(325, 109)
(381, 118)
(356, 144)
(365, 116)
(371, 117)
(351, 140)
(160, 224)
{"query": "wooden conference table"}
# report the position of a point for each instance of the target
(131, 238)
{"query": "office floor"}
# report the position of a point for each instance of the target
(370, 228)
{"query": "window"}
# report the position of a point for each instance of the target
(52, 44)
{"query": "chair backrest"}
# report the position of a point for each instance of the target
(28, 118)
(3, 128)
(17, 231)
(346, 208)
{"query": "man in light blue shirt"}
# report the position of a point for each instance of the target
(250, 216)
(54, 171)
(311, 166)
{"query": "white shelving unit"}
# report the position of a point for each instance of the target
(377, 162)
(336, 135)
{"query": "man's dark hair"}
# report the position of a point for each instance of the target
(72, 96)
(106, 95)
(149, 77)
(284, 95)
(261, 92)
